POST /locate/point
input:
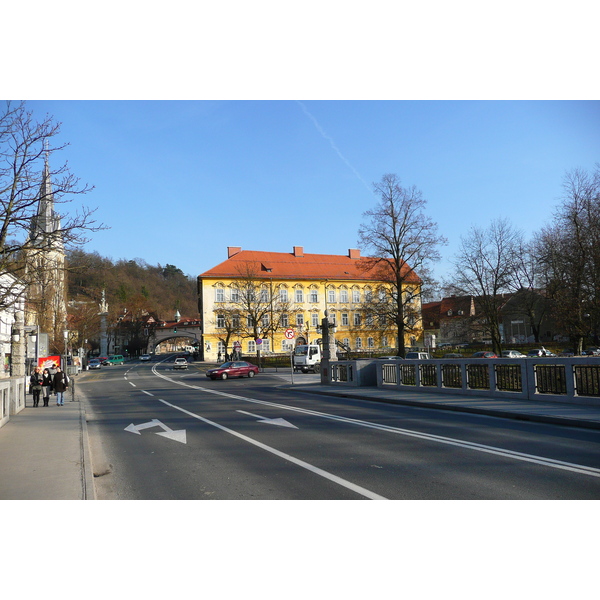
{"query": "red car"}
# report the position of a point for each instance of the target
(484, 355)
(238, 368)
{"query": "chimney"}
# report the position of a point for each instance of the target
(354, 253)
(233, 250)
(298, 251)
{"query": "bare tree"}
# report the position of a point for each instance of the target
(404, 242)
(25, 148)
(569, 251)
(256, 308)
(485, 268)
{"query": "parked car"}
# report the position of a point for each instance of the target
(236, 368)
(484, 355)
(145, 357)
(453, 355)
(512, 354)
(592, 351)
(418, 355)
(567, 352)
(540, 352)
(389, 358)
(94, 363)
(180, 363)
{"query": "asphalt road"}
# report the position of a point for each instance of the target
(157, 433)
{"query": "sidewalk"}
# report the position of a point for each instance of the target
(44, 453)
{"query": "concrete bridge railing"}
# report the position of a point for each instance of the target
(571, 380)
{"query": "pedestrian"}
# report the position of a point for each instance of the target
(35, 381)
(46, 386)
(60, 384)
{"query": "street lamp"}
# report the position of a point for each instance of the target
(66, 337)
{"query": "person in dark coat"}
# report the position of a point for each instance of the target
(46, 386)
(60, 384)
(35, 381)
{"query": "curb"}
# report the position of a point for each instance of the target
(87, 475)
(505, 414)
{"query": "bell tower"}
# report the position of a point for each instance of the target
(47, 296)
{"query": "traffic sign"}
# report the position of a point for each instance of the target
(237, 345)
(258, 341)
(290, 334)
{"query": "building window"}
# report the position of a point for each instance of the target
(235, 295)
(384, 341)
(220, 347)
(235, 321)
(346, 342)
(314, 296)
(299, 295)
(251, 346)
(300, 320)
(345, 320)
(265, 346)
(314, 319)
(357, 319)
(219, 295)
(356, 296)
(370, 343)
(264, 295)
(285, 320)
(220, 321)
(331, 296)
(287, 345)
(283, 295)
(343, 295)
(358, 343)
(264, 321)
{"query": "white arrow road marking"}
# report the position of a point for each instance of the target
(279, 421)
(343, 482)
(176, 436)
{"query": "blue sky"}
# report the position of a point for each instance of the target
(179, 181)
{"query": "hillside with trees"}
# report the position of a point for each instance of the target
(160, 290)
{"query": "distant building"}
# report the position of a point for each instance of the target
(269, 293)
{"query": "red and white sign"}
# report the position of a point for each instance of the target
(290, 334)
(237, 346)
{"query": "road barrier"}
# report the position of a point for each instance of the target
(573, 380)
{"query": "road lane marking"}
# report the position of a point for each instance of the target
(268, 421)
(316, 470)
(532, 458)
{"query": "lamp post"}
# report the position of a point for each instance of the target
(66, 337)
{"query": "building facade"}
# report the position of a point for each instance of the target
(252, 299)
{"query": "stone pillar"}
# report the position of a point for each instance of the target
(17, 347)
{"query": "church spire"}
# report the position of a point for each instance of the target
(46, 225)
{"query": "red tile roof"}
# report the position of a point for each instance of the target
(299, 265)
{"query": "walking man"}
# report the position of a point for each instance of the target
(60, 385)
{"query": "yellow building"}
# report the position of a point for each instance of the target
(256, 295)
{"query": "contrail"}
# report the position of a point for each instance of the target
(332, 144)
